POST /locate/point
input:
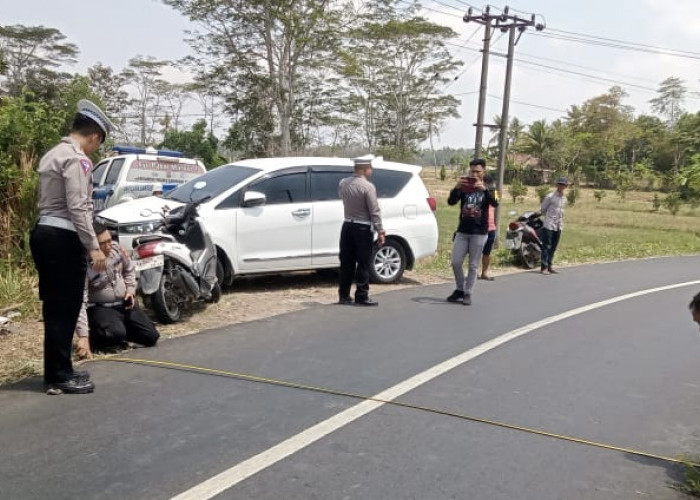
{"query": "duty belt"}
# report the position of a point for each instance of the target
(355, 221)
(50, 220)
(118, 303)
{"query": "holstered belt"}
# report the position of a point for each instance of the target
(118, 303)
(50, 220)
(355, 221)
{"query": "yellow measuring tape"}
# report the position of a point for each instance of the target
(449, 413)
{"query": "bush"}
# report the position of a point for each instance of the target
(572, 196)
(599, 195)
(517, 191)
(542, 191)
(443, 173)
(673, 202)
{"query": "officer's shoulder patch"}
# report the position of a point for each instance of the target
(86, 165)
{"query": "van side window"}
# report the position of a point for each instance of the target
(114, 171)
(324, 183)
(389, 182)
(98, 171)
(281, 189)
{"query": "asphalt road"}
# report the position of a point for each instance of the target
(626, 373)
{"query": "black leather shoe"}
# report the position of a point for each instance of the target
(345, 301)
(366, 302)
(72, 386)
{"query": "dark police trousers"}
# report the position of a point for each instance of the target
(355, 259)
(61, 261)
(113, 326)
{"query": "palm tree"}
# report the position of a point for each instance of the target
(538, 140)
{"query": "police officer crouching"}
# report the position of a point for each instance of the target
(362, 214)
(62, 240)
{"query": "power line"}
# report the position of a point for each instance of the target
(623, 42)
(522, 103)
(634, 48)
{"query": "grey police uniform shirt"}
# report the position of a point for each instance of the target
(108, 286)
(360, 201)
(65, 188)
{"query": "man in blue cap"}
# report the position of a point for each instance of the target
(553, 212)
(62, 240)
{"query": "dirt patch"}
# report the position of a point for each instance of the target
(21, 344)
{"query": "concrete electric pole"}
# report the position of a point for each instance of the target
(511, 23)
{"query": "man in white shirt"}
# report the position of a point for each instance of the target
(553, 213)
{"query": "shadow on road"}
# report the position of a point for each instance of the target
(432, 300)
(674, 471)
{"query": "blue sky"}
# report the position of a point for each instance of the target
(113, 31)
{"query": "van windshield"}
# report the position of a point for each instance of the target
(218, 180)
(164, 171)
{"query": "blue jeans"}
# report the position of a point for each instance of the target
(550, 241)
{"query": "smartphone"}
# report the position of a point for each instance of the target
(468, 183)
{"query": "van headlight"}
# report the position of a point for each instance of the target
(139, 228)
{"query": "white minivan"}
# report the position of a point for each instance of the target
(284, 214)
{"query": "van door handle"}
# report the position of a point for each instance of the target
(302, 212)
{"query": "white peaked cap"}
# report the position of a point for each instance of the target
(90, 110)
(364, 160)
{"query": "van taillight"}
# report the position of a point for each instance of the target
(432, 204)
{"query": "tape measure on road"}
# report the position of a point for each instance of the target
(437, 411)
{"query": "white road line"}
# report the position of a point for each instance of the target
(240, 472)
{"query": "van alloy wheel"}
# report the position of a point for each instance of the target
(388, 262)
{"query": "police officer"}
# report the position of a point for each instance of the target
(362, 215)
(62, 240)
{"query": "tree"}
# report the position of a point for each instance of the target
(538, 140)
(669, 102)
(258, 53)
(395, 64)
(30, 55)
(28, 128)
(195, 143)
(144, 75)
(111, 87)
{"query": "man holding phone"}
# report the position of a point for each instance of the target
(113, 316)
(474, 201)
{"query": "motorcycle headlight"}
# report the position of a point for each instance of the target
(139, 228)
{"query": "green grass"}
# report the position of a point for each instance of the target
(609, 230)
(691, 478)
(18, 288)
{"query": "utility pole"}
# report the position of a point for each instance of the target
(511, 23)
(486, 21)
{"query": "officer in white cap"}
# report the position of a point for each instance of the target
(62, 240)
(362, 216)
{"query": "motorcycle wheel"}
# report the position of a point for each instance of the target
(164, 301)
(530, 254)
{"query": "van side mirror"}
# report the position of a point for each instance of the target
(253, 199)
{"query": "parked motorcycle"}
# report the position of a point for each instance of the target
(522, 239)
(177, 265)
